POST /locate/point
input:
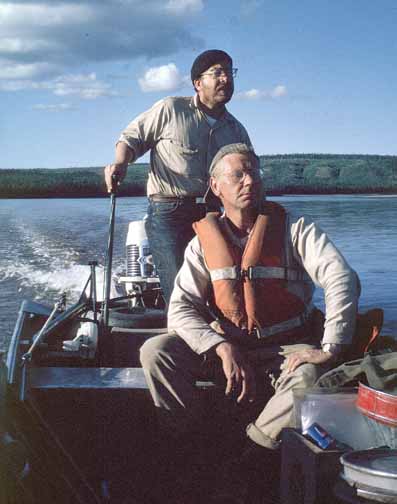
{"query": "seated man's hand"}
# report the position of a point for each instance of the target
(311, 356)
(238, 372)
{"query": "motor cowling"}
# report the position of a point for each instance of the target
(139, 259)
(140, 282)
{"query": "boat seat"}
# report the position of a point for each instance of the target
(92, 378)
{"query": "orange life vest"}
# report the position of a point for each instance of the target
(250, 286)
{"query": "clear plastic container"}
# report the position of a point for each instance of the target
(335, 410)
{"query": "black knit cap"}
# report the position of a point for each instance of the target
(206, 59)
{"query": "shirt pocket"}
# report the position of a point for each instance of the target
(184, 149)
(185, 158)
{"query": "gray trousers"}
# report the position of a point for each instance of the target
(171, 369)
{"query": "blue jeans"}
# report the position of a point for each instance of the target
(169, 230)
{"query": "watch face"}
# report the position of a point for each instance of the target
(331, 348)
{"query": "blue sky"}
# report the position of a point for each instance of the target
(314, 75)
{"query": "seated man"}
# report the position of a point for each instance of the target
(243, 299)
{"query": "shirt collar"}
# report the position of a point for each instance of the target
(240, 242)
(225, 117)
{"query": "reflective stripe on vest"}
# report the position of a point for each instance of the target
(286, 325)
(257, 272)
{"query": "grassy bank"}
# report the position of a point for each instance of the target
(286, 174)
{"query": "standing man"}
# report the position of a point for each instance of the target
(183, 135)
(252, 270)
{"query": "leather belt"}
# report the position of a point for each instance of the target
(171, 199)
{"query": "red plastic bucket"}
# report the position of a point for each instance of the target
(378, 405)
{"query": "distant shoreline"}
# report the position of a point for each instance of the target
(268, 193)
(289, 174)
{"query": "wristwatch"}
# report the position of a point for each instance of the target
(332, 348)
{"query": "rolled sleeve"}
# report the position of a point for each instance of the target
(146, 129)
(329, 270)
(188, 313)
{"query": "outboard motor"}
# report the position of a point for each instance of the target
(139, 260)
(141, 281)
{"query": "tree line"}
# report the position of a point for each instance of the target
(282, 174)
(328, 173)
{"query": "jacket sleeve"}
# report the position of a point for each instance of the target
(146, 130)
(329, 270)
(188, 313)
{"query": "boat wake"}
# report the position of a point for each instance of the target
(46, 265)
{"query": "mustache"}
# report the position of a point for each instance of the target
(225, 87)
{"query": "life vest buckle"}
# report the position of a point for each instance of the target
(255, 333)
(247, 273)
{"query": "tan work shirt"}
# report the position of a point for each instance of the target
(182, 144)
(308, 248)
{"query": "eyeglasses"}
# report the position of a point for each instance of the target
(238, 176)
(221, 72)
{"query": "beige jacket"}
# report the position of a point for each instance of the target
(307, 248)
(182, 144)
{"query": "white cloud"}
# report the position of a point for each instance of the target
(278, 91)
(250, 7)
(185, 6)
(69, 33)
(252, 94)
(86, 87)
(18, 15)
(16, 45)
(162, 78)
(14, 71)
(257, 94)
(45, 39)
(60, 107)
(15, 85)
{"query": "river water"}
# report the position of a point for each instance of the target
(46, 244)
